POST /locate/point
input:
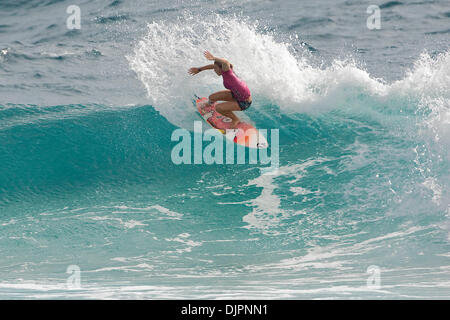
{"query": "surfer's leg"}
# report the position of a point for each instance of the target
(224, 95)
(226, 109)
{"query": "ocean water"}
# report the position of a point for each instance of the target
(359, 207)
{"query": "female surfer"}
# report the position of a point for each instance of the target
(237, 97)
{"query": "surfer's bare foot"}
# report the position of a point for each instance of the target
(205, 105)
(234, 124)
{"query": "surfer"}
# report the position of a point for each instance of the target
(237, 97)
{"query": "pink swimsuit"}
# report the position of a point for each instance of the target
(238, 88)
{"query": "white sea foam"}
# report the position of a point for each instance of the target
(270, 68)
(183, 238)
(169, 214)
(267, 211)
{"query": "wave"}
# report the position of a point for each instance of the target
(59, 148)
(400, 127)
(336, 108)
(279, 74)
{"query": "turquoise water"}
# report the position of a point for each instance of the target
(86, 176)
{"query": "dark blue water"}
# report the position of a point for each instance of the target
(87, 178)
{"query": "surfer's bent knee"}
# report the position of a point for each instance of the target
(211, 99)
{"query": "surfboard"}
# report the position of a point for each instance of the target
(244, 134)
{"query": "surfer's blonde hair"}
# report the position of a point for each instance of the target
(217, 63)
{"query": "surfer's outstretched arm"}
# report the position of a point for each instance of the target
(223, 62)
(193, 71)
